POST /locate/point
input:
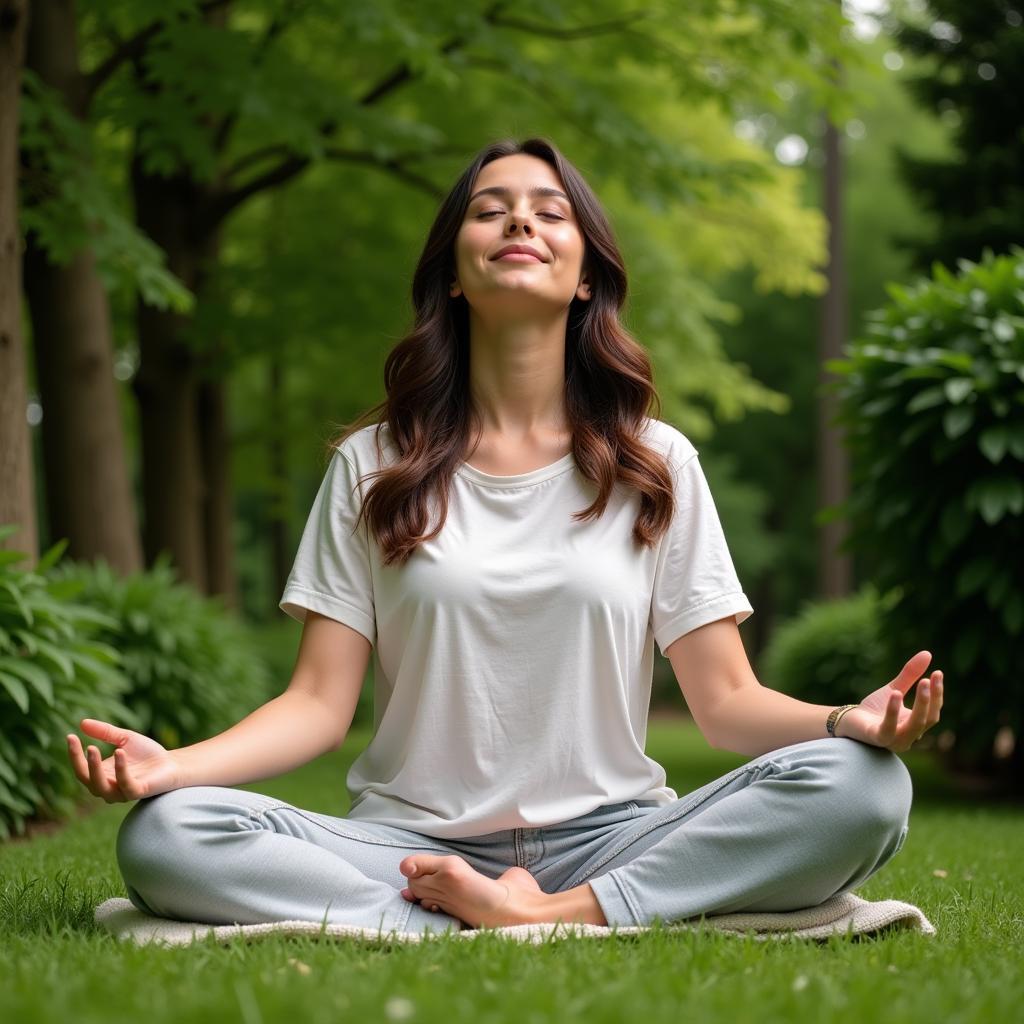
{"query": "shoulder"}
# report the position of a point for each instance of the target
(669, 441)
(360, 448)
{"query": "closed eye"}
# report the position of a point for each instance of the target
(543, 213)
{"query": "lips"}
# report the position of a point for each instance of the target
(526, 250)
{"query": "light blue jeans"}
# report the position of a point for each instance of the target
(786, 830)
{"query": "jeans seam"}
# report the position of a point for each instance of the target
(685, 809)
(354, 834)
(626, 894)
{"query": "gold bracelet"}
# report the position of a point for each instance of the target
(835, 715)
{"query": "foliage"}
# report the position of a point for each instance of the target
(66, 204)
(974, 79)
(191, 665)
(933, 404)
(831, 652)
(54, 670)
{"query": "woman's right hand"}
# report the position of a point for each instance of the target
(138, 768)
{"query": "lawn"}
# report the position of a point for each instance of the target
(961, 864)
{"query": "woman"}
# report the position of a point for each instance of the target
(529, 534)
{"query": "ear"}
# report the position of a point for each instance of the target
(583, 291)
(454, 290)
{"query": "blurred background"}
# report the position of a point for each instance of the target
(210, 213)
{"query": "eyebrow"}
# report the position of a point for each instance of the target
(537, 190)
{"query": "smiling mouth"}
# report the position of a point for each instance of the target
(519, 257)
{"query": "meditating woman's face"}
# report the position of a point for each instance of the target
(518, 286)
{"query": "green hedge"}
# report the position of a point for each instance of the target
(55, 669)
(933, 406)
(831, 652)
(144, 652)
(192, 665)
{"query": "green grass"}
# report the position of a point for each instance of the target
(56, 965)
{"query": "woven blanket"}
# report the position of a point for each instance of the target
(844, 914)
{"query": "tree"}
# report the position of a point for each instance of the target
(224, 109)
(976, 48)
(17, 502)
(88, 487)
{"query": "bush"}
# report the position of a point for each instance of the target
(54, 671)
(831, 652)
(933, 404)
(192, 666)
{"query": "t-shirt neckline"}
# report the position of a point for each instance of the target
(534, 476)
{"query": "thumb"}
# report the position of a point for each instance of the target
(104, 731)
(912, 671)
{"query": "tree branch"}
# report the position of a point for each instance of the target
(394, 166)
(263, 153)
(581, 32)
(274, 30)
(130, 49)
(289, 167)
(292, 165)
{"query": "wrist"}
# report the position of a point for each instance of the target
(180, 772)
(834, 724)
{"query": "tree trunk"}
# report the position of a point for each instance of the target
(88, 486)
(218, 506)
(278, 506)
(17, 504)
(166, 388)
(834, 568)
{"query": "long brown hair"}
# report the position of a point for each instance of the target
(608, 382)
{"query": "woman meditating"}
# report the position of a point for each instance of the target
(509, 536)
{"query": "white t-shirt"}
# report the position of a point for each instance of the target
(514, 653)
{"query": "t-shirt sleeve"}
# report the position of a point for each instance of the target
(331, 573)
(695, 581)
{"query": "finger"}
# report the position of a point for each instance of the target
(918, 721)
(937, 701)
(124, 780)
(101, 730)
(78, 762)
(912, 670)
(890, 722)
(96, 773)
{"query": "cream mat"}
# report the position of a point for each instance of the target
(845, 913)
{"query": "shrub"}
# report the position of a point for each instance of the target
(192, 666)
(831, 652)
(933, 405)
(54, 671)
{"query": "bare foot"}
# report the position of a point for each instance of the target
(453, 886)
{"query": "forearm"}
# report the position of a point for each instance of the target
(286, 732)
(756, 719)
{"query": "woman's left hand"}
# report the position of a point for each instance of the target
(881, 719)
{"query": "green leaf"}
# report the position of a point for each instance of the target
(958, 388)
(1013, 614)
(16, 688)
(19, 601)
(955, 523)
(1016, 440)
(995, 496)
(32, 674)
(57, 658)
(993, 442)
(926, 399)
(957, 422)
(972, 576)
(52, 555)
